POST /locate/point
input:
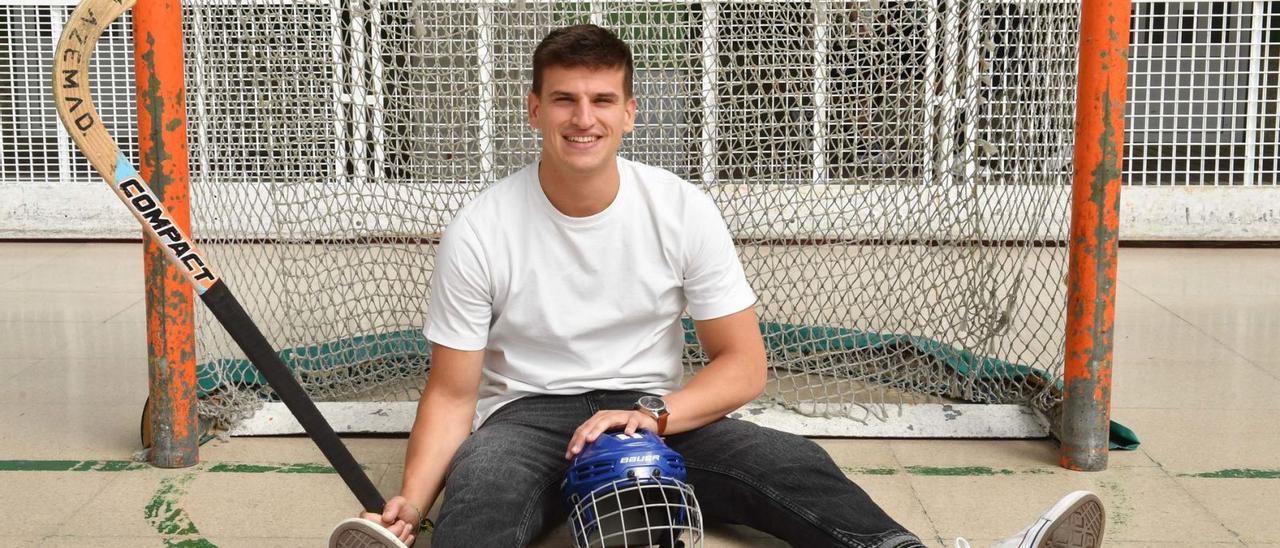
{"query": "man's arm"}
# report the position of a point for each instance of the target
(735, 375)
(442, 423)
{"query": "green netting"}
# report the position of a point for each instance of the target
(400, 352)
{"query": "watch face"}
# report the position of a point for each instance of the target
(652, 403)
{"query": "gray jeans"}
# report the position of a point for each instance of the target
(503, 485)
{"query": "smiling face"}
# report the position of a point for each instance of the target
(582, 113)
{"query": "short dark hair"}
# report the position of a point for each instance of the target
(582, 46)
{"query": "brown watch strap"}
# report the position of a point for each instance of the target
(662, 423)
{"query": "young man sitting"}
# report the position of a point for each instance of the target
(554, 317)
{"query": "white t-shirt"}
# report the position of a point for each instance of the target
(566, 305)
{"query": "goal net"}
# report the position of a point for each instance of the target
(896, 175)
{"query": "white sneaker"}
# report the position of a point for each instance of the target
(1076, 521)
(362, 533)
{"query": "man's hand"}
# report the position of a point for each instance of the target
(604, 421)
(400, 517)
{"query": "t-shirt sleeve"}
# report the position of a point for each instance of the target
(715, 284)
(460, 304)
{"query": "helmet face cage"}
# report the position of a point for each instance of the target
(632, 513)
(629, 490)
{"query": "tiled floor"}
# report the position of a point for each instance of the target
(1197, 376)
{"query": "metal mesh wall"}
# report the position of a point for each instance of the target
(1204, 94)
(33, 146)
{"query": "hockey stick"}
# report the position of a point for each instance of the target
(76, 109)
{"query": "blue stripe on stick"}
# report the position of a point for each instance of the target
(124, 169)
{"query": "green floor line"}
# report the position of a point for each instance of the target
(71, 466)
(131, 466)
(868, 471)
(1237, 473)
(1040, 471)
(279, 469)
(943, 471)
(164, 512)
(990, 471)
(957, 471)
(1118, 507)
(170, 520)
(27, 465)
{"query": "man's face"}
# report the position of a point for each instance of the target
(582, 114)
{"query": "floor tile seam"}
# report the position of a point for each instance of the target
(90, 499)
(1176, 474)
(1187, 407)
(56, 322)
(219, 467)
(1185, 295)
(120, 312)
(1157, 464)
(92, 359)
(1207, 509)
(1201, 330)
(1258, 278)
(74, 290)
(121, 322)
(1149, 408)
(1172, 313)
(1158, 289)
(386, 469)
(89, 318)
(1141, 450)
(7, 379)
(31, 269)
(915, 496)
(37, 354)
(1154, 360)
(1150, 299)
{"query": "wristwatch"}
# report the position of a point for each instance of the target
(657, 407)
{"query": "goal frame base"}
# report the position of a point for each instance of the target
(921, 420)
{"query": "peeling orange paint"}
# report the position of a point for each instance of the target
(157, 31)
(1095, 233)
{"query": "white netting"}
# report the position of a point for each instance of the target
(896, 174)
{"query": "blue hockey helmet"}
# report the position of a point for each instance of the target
(629, 490)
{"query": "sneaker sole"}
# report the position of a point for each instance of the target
(358, 533)
(1081, 526)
